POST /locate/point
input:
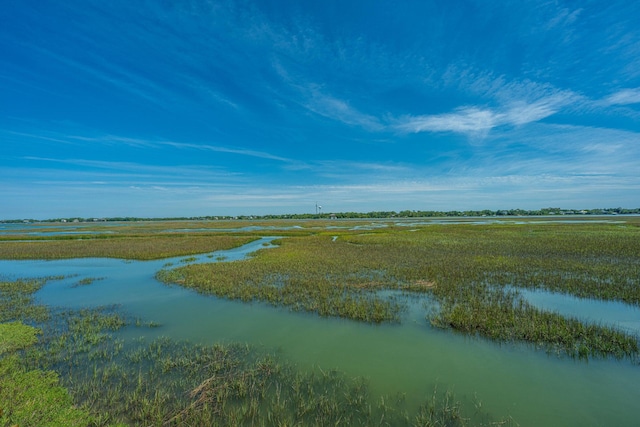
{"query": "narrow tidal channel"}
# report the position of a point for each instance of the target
(534, 388)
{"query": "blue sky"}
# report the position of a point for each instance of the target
(188, 108)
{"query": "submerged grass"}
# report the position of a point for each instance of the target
(79, 373)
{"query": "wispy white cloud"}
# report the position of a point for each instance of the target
(97, 69)
(149, 143)
(564, 17)
(41, 136)
(624, 96)
(356, 171)
(222, 149)
(466, 120)
(519, 103)
(563, 150)
(312, 97)
(476, 121)
(340, 110)
(520, 113)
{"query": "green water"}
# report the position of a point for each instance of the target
(534, 388)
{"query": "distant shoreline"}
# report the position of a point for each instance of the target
(406, 214)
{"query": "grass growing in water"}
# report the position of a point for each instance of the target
(504, 316)
(305, 273)
(29, 397)
(464, 267)
(86, 281)
(16, 301)
(16, 336)
(35, 398)
(168, 383)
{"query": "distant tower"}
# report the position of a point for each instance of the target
(318, 208)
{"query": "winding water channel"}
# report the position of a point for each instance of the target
(534, 388)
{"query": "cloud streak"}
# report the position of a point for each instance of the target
(476, 121)
(624, 97)
(341, 111)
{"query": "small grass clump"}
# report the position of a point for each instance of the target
(86, 281)
(16, 336)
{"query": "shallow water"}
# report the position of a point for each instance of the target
(611, 313)
(534, 388)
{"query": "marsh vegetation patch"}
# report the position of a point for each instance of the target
(467, 269)
(123, 246)
(78, 372)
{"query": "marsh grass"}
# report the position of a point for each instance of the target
(126, 246)
(79, 373)
(16, 336)
(35, 398)
(17, 301)
(306, 273)
(29, 397)
(467, 269)
(504, 316)
(472, 272)
(86, 281)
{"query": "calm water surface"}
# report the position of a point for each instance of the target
(536, 389)
(611, 313)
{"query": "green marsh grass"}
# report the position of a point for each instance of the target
(138, 247)
(504, 316)
(305, 273)
(467, 269)
(29, 397)
(16, 336)
(86, 281)
(471, 271)
(78, 373)
(17, 301)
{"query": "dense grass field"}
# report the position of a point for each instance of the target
(130, 246)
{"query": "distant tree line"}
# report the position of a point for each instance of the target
(361, 215)
(467, 213)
